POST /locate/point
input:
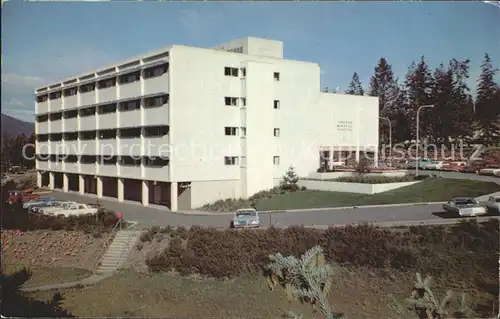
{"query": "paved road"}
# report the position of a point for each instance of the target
(454, 175)
(151, 216)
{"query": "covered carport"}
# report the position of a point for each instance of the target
(58, 180)
(45, 179)
(73, 184)
(90, 184)
(132, 189)
(110, 187)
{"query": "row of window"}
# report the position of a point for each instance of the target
(134, 76)
(131, 132)
(233, 101)
(130, 105)
(236, 131)
(231, 71)
(105, 160)
(236, 160)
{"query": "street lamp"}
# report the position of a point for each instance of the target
(418, 142)
(390, 136)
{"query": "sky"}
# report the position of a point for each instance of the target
(44, 42)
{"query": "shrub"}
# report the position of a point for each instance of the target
(363, 166)
(362, 179)
(229, 253)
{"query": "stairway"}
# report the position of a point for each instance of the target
(118, 252)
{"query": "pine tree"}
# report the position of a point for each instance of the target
(487, 107)
(462, 112)
(384, 85)
(355, 87)
(418, 85)
(442, 95)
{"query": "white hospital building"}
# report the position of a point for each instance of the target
(183, 126)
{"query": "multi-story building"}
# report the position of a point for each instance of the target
(183, 126)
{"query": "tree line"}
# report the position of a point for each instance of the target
(456, 114)
(17, 151)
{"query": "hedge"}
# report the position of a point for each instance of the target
(230, 253)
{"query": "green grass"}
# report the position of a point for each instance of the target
(429, 190)
(48, 275)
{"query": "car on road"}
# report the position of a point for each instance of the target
(464, 206)
(421, 163)
(41, 200)
(454, 166)
(493, 204)
(435, 165)
(245, 218)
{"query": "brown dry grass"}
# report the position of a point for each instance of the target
(47, 275)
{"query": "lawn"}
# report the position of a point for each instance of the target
(48, 275)
(429, 190)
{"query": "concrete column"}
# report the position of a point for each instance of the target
(120, 189)
(357, 154)
(99, 187)
(173, 196)
(39, 179)
(65, 183)
(145, 193)
(51, 180)
(330, 157)
(81, 184)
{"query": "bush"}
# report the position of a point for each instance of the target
(362, 179)
(429, 249)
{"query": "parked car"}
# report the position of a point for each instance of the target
(18, 196)
(490, 171)
(434, 165)
(493, 204)
(40, 200)
(245, 218)
(454, 166)
(421, 163)
(468, 169)
(76, 209)
(464, 206)
(54, 209)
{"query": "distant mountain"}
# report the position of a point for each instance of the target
(13, 126)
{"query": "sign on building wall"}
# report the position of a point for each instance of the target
(344, 126)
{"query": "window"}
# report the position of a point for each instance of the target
(156, 101)
(129, 160)
(243, 131)
(109, 160)
(276, 160)
(88, 111)
(87, 88)
(107, 134)
(55, 95)
(42, 118)
(231, 101)
(156, 131)
(231, 131)
(70, 92)
(130, 132)
(70, 114)
(55, 116)
(243, 72)
(276, 104)
(73, 136)
(71, 159)
(130, 77)
(57, 158)
(243, 101)
(108, 83)
(42, 98)
(231, 160)
(276, 76)
(156, 71)
(88, 159)
(228, 71)
(108, 108)
(156, 161)
(277, 132)
(130, 105)
(88, 135)
(55, 137)
(42, 137)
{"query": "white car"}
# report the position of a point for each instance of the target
(464, 206)
(52, 210)
(490, 171)
(78, 209)
(436, 165)
(493, 204)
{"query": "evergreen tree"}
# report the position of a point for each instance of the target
(355, 87)
(418, 85)
(442, 94)
(462, 115)
(384, 85)
(487, 107)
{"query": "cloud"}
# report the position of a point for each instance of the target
(17, 94)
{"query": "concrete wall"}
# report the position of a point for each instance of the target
(203, 192)
(352, 187)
